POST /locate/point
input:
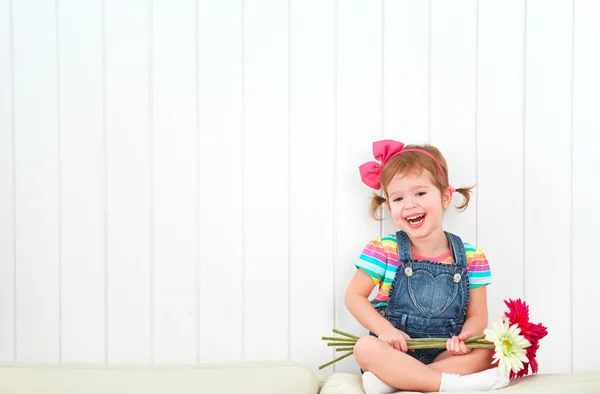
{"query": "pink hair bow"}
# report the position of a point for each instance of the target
(382, 151)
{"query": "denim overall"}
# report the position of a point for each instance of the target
(428, 299)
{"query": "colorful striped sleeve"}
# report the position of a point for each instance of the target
(373, 260)
(479, 270)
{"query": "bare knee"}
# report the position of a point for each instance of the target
(366, 350)
(481, 359)
(485, 357)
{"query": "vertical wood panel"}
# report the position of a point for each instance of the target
(500, 129)
(37, 182)
(359, 123)
(548, 158)
(406, 71)
(175, 184)
(453, 103)
(405, 76)
(7, 203)
(128, 173)
(221, 195)
(312, 176)
(586, 211)
(314, 106)
(82, 180)
(266, 183)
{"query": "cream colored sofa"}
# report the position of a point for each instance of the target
(581, 383)
(234, 378)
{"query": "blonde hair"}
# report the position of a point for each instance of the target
(416, 162)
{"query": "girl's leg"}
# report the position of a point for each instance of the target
(476, 361)
(389, 367)
(472, 371)
(395, 368)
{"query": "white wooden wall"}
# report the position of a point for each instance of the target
(179, 182)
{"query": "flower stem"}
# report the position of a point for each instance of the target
(339, 343)
(343, 356)
(443, 346)
(338, 339)
(477, 338)
(427, 340)
(345, 334)
(348, 341)
(477, 345)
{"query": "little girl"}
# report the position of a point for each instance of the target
(431, 283)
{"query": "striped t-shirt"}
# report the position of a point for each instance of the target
(379, 259)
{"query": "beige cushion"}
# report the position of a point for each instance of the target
(575, 383)
(342, 383)
(263, 378)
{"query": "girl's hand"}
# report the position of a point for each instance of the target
(395, 338)
(456, 345)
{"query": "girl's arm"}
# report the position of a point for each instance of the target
(477, 312)
(357, 302)
(361, 308)
(476, 321)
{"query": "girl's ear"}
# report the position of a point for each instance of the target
(446, 197)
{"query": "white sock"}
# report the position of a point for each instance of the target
(489, 379)
(373, 385)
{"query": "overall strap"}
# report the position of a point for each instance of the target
(459, 256)
(404, 252)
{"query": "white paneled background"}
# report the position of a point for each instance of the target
(179, 179)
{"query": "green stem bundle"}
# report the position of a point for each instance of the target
(347, 342)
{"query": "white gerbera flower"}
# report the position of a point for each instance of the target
(509, 346)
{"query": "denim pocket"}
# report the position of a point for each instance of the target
(418, 327)
(431, 295)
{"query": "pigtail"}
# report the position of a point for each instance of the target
(376, 202)
(466, 193)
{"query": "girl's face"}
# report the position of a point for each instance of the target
(417, 206)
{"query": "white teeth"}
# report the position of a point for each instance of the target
(413, 217)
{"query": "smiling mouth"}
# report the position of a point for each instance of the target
(416, 219)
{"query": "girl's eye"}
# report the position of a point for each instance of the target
(421, 194)
(397, 199)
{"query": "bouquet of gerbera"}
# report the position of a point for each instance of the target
(515, 340)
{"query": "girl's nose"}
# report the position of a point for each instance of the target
(410, 205)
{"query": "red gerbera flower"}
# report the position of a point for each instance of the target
(518, 313)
